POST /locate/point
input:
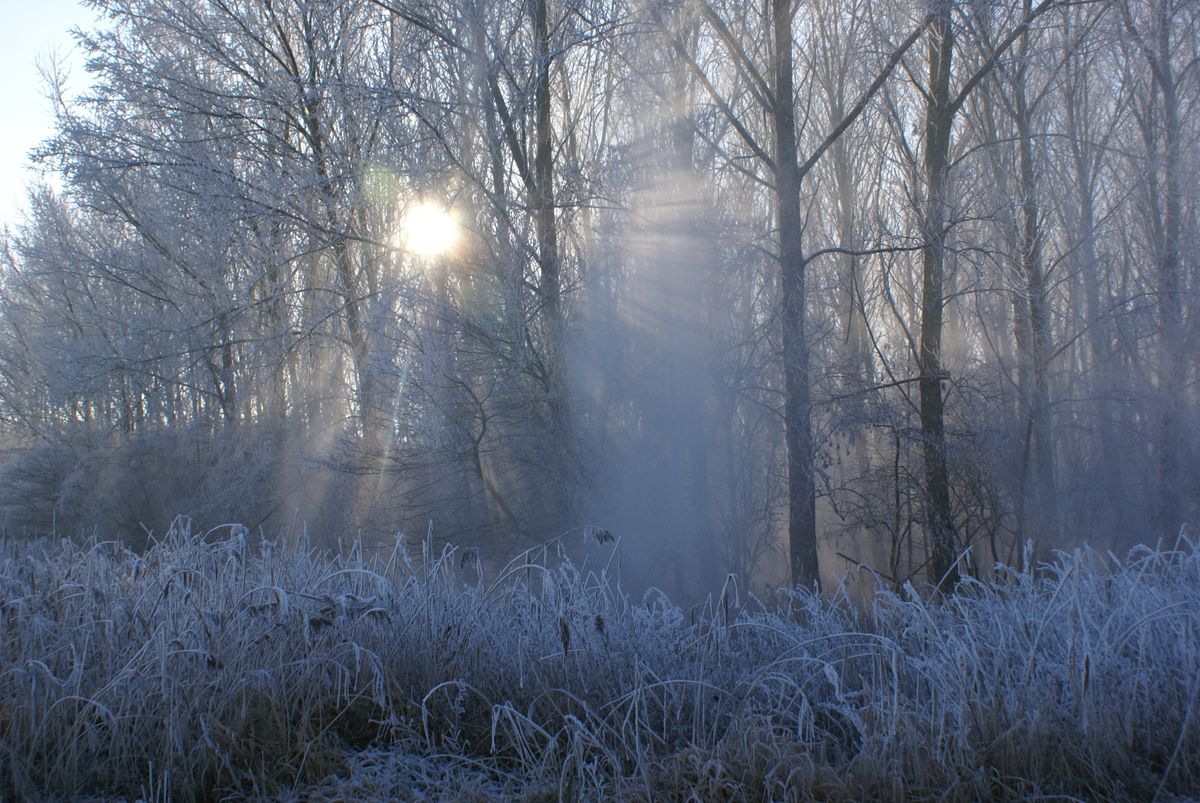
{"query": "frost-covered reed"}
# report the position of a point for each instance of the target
(213, 666)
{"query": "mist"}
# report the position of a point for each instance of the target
(934, 314)
(607, 400)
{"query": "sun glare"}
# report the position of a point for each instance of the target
(429, 230)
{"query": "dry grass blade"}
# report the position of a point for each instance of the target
(201, 669)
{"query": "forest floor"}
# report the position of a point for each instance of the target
(211, 667)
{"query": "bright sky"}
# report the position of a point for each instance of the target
(30, 31)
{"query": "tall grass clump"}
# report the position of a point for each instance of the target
(213, 666)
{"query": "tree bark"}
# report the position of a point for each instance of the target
(543, 188)
(1173, 363)
(1039, 491)
(943, 566)
(549, 265)
(802, 519)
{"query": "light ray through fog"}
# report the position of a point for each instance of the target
(529, 352)
(524, 262)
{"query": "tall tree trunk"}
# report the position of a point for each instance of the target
(543, 189)
(802, 518)
(549, 265)
(1173, 360)
(1086, 140)
(1039, 491)
(943, 566)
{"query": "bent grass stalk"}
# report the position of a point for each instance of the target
(208, 666)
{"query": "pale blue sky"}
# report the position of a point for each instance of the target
(29, 30)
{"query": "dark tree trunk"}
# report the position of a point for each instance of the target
(802, 519)
(1174, 363)
(1039, 491)
(543, 188)
(943, 566)
(550, 270)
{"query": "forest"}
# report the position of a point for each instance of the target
(853, 328)
(758, 288)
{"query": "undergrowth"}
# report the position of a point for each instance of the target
(209, 668)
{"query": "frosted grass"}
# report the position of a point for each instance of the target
(210, 666)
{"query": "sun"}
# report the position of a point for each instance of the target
(429, 229)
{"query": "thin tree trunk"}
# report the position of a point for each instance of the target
(549, 264)
(1173, 364)
(1041, 488)
(543, 188)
